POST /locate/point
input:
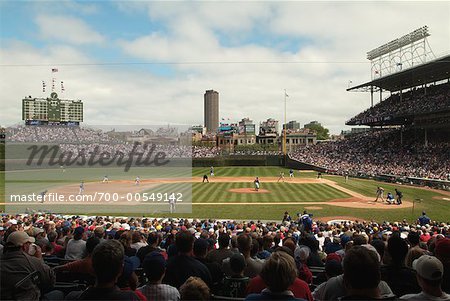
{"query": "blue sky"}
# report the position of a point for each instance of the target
(151, 61)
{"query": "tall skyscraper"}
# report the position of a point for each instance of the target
(211, 111)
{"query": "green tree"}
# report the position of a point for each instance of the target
(322, 133)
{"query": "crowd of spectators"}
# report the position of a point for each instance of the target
(378, 153)
(121, 258)
(414, 102)
(58, 134)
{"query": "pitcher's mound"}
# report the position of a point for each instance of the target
(248, 190)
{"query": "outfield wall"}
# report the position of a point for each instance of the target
(262, 160)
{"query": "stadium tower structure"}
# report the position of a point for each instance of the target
(418, 85)
(211, 111)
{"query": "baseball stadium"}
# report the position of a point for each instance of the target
(145, 186)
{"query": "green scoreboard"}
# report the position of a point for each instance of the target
(52, 110)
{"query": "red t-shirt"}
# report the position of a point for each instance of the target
(299, 288)
(139, 294)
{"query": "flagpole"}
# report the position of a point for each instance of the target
(284, 128)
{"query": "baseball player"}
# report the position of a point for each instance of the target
(81, 188)
(42, 194)
(172, 203)
(211, 171)
(105, 179)
(281, 177)
(137, 181)
(380, 192)
(399, 196)
(256, 182)
(291, 173)
(205, 178)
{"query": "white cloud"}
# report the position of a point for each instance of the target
(67, 29)
(333, 39)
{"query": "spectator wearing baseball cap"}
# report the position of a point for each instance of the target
(201, 249)
(442, 252)
(430, 272)
(128, 280)
(155, 268)
(236, 285)
(76, 247)
(16, 264)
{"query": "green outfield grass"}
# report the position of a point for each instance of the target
(114, 173)
(437, 209)
(279, 192)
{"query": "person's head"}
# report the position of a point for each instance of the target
(279, 271)
(19, 240)
(429, 271)
(194, 289)
(244, 242)
(78, 233)
(267, 241)
(413, 238)
(333, 268)
(397, 248)
(154, 266)
(136, 237)
(201, 248)
(442, 250)
(52, 236)
(289, 243)
(184, 241)
(224, 240)
(153, 239)
(237, 264)
(379, 245)
(91, 243)
(107, 261)
(99, 232)
(128, 277)
(361, 269)
(301, 254)
(359, 240)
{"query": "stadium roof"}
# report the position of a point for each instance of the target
(436, 70)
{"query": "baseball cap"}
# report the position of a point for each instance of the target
(37, 231)
(201, 245)
(154, 263)
(78, 230)
(302, 253)
(428, 267)
(442, 249)
(130, 264)
(237, 262)
(333, 256)
(18, 238)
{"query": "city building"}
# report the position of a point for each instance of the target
(292, 125)
(246, 126)
(268, 132)
(301, 137)
(312, 123)
(211, 111)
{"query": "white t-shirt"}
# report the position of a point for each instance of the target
(75, 249)
(424, 296)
